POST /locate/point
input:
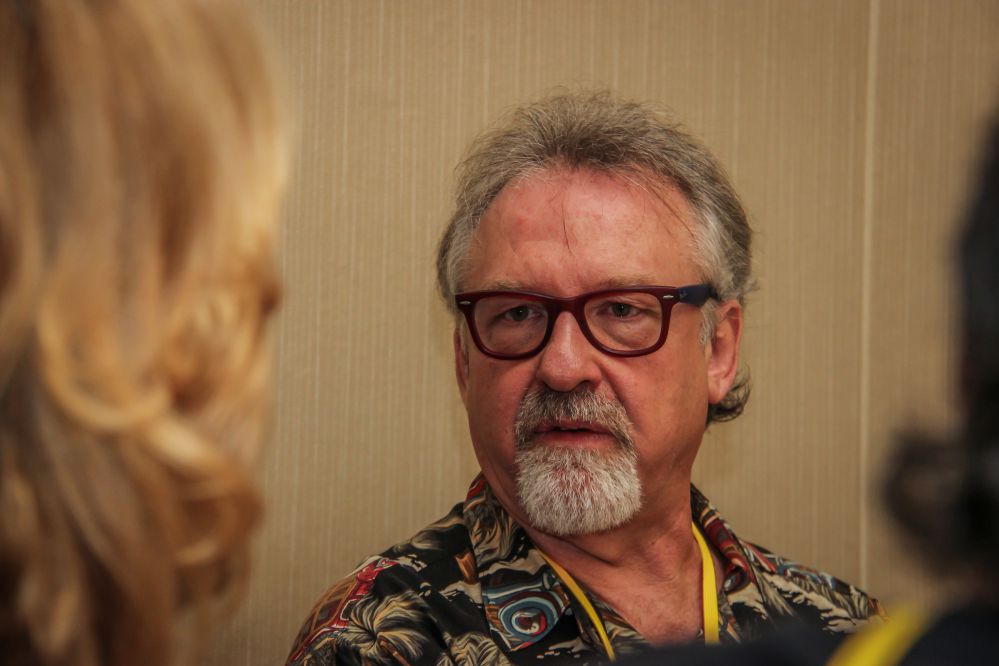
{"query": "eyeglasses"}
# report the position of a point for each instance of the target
(628, 321)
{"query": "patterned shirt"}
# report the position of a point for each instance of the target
(472, 588)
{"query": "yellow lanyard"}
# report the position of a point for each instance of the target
(591, 612)
(884, 645)
(709, 592)
(709, 596)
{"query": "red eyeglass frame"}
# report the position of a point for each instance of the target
(693, 294)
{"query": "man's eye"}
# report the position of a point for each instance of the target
(519, 313)
(623, 310)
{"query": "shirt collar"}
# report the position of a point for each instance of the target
(738, 573)
(522, 597)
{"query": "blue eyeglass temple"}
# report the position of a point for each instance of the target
(697, 294)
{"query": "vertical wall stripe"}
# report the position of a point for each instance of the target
(870, 127)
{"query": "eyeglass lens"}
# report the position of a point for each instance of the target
(512, 324)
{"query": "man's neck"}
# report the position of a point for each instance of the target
(648, 570)
(643, 548)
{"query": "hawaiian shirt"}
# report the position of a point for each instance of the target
(472, 588)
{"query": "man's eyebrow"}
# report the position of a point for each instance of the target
(628, 281)
(503, 285)
(608, 283)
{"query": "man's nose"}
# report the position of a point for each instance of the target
(568, 360)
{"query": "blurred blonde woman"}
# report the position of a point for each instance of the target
(141, 162)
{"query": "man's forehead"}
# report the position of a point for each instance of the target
(625, 198)
(572, 232)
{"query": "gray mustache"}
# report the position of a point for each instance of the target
(544, 404)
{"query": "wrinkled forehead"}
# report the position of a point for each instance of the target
(577, 212)
(568, 189)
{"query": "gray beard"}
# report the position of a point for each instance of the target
(566, 491)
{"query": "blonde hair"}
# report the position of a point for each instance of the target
(141, 162)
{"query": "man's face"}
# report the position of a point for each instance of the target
(564, 233)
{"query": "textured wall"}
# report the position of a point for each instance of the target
(847, 126)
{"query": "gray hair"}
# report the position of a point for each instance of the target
(597, 132)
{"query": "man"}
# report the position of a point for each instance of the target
(596, 263)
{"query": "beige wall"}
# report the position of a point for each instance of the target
(847, 126)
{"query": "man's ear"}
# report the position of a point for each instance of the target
(723, 350)
(460, 363)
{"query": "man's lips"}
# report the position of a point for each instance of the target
(581, 427)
